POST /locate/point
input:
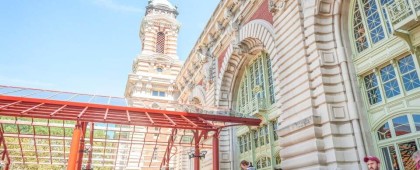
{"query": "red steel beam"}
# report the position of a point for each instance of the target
(166, 156)
(59, 109)
(170, 119)
(27, 110)
(150, 118)
(82, 112)
(74, 148)
(189, 121)
(135, 111)
(82, 146)
(216, 150)
(196, 151)
(10, 104)
(128, 116)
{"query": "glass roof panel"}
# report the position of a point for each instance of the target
(82, 98)
(116, 101)
(100, 100)
(23, 93)
(63, 96)
(5, 90)
(43, 94)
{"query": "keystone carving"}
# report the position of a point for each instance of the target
(275, 6)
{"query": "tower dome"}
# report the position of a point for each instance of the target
(162, 3)
(161, 7)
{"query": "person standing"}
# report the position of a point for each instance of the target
(245, 165)
(416, 159)
(372, 162)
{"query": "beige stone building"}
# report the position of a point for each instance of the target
(331, 80)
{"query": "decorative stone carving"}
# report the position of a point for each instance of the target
(324, 7)
(274, 7)
(228, 14)
(237, 50)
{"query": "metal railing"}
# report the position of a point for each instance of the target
(400, 10)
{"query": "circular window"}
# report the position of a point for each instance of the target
(159, 69)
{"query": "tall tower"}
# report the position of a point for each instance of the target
(151, 84)
(152, 81)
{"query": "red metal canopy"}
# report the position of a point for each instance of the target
(126, 128)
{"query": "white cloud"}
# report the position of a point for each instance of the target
(112, 5)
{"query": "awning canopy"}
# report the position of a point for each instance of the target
(37, 127)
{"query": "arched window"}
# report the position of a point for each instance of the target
(256, 87)
(263, 162)
(160, 42)
(370, 23)
(397, 152)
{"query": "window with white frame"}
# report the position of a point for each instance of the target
(263, 162)
(245, 142)
(275, 136)
(256, 139)
(158, 93)
(256, 85)
(403, 72)
(399, 141)
(389, 81)
(409, 73)
(372, 89)
(370, 23)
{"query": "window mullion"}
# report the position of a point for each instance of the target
(364, 91)
(382, 18)
(391, 128)
(266, 77)
(401, 79)
(398, 76)
(248, 90)
(380, 86)
(398, 153)
(411, 123)
(416, 63)
(364, 21)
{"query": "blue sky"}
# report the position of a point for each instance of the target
(84, 46)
